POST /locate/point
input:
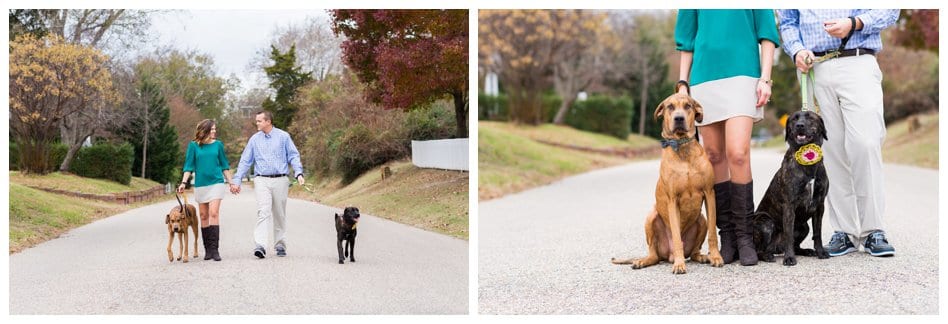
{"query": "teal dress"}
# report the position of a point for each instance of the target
(208, 163)
(726, 63)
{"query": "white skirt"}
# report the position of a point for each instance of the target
(726, 98)
(207, 193)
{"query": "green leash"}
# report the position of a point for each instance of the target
(804, 78)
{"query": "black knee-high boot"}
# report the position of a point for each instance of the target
(742, 203)
(215, 241)
(725, 221)
(205, 233)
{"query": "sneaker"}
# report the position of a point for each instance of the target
(281, 251)
(839, 244)
(877, 245)
(260, 252)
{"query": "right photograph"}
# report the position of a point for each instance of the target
(708, 161)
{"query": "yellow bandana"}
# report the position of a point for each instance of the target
(809, 154)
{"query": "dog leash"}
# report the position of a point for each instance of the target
(305, 187)
(183, 208)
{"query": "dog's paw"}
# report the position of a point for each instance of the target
(789, 261)
(179, 259)
(766, 257)
(352, 260)
(822, 254)
(679, 268)
(185, 261)
(342, 261)
(716, 261)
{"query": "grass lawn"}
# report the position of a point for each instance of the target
(919, 148)
(71, 182)
(511, 160)
(37, 216)
(435, 200)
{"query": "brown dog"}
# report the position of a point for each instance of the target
(178, 222)
(676, 226)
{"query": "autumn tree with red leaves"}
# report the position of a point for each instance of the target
(408, 58)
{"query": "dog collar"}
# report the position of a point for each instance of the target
(809, 154)
(675, 143)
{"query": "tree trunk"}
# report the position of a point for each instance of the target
(34, 156)
(145, 138)
(460, 113)
(643, 95)
(564, 108)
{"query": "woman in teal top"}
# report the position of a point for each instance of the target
(207, 161)
(727, 56)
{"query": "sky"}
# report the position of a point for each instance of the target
(231, 37)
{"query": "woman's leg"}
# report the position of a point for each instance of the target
(214, 208)
(712, 137)
(205, 229)
(737, 142)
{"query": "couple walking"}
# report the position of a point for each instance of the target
(270, 151)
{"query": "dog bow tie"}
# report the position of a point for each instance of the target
(674, 143)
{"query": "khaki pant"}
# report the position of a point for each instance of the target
(271, 210)
(849, 92)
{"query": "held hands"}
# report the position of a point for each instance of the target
(234, 189)
(804, 60)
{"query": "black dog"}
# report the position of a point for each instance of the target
(795, 195)
(346, 231)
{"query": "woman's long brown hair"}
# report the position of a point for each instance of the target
(203, 131)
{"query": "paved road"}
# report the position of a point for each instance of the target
(547, 251)
(118, 265)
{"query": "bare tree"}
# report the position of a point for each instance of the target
(580, 60)
(317, 48)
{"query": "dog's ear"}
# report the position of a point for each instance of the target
(786, 130)
(822, 127)
(660, 110)
(699, 111)
(167, 218)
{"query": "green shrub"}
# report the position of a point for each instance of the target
(430, 123)
(57, 153)
(492, 107)
(361, 149)
(602, 114)
(105, 161)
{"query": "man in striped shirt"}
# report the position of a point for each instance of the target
(839, 46)
(270, 151)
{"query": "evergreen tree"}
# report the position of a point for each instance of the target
(285, 77)
(161, 149)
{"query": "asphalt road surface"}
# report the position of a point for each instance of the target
(119, 265)
(547, 251)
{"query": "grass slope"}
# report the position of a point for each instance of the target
(510, 158)
(435, 200)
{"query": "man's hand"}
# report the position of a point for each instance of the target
(300, 179)
(802, 62)
(234, 189)
(839, 27)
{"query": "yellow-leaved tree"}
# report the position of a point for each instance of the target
(49, 80)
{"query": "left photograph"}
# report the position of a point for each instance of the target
(251, 162)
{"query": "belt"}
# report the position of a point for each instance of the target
(272, 175)
(849, 52)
